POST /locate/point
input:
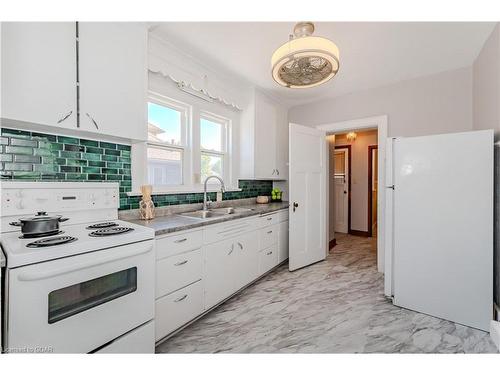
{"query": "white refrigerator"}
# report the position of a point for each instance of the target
(439, 255)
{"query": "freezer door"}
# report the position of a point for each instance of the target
(443, 226)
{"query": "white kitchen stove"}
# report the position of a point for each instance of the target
(19, 254)
(88, 288)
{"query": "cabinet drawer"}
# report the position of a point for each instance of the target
(269, 219)
(177, 271)
(268, 236)
(175, 244)
(178, 308)
(268, 259)
(219, 232)
(282, 216)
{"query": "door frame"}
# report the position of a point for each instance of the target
(370, 186)
(381, 124)
(349, 154)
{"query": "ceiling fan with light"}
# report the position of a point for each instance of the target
(305, 60)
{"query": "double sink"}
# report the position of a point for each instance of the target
(215, 212)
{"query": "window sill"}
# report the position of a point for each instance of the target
(186, 190)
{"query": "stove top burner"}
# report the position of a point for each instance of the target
(53, 241)
(110, 231)
(102, 225)
(26, 236)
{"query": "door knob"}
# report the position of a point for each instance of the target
(295, 205)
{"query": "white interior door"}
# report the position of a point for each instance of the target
(308, 201)
(443, 226)
(341, 181)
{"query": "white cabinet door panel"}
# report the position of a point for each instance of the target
(247, 259)
(268, 259)
(265, 139)
(113, 78)
(283, 242)
(219, 275)
(39, 72)
(177, 309)
(177, 271)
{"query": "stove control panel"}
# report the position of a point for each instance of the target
(18, 198)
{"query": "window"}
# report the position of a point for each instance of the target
(167, 128)
(213, 147)
(186, 144)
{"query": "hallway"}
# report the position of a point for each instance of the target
(335, 306)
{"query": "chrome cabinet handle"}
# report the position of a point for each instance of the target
(181, 298)
(93, 121)
(240, 245)
(269, 253)
(269, 218)
(181, 263)
(232, 249)
(278, 172)
(274, 171)
(64, 118)
(295, 205)
(181, 240)
(269, 232)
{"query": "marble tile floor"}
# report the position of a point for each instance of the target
(335, 306)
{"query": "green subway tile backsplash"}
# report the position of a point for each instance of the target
(45, 157)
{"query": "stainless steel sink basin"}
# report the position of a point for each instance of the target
(216, 212)
(202, 214)
(231, 210)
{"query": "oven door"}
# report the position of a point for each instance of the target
(80, 303)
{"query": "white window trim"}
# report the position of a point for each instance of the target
(225, 142)
(185, 146)
(191, 147)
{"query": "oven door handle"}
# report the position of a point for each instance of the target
(34, 276)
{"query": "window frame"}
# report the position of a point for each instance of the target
(225, 144)
(184, 146)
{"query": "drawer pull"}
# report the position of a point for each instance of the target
(232, 249)
(269, 253)
(181, 240)
(270, 232)
(240, 245)
(269, 218)
(181, 298)
(181, 263)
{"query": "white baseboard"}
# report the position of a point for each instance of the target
(495, 332)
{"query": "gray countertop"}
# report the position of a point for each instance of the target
(175, 223)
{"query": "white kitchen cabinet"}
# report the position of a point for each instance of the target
(39, 73)
(264, 139)
(220, 271)
(268, 259)
(191, 280)
(177, 271)
(247, 261)
(113, 78)
(283, 241)
(178, 308)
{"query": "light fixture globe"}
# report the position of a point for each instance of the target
(305, 60)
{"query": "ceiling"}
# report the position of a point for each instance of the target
(372, 54)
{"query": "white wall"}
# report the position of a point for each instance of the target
(359, 176)
(486, 85)
(435, 104)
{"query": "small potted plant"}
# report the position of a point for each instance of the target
(276, 195)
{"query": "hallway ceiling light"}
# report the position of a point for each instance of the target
(305, 60)
(351, 136)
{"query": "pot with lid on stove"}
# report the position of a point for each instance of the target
(39, 225)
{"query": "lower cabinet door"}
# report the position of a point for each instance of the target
(220, 271)
(247, 248)
(283, 241)
(268, 258)
(178, 308)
